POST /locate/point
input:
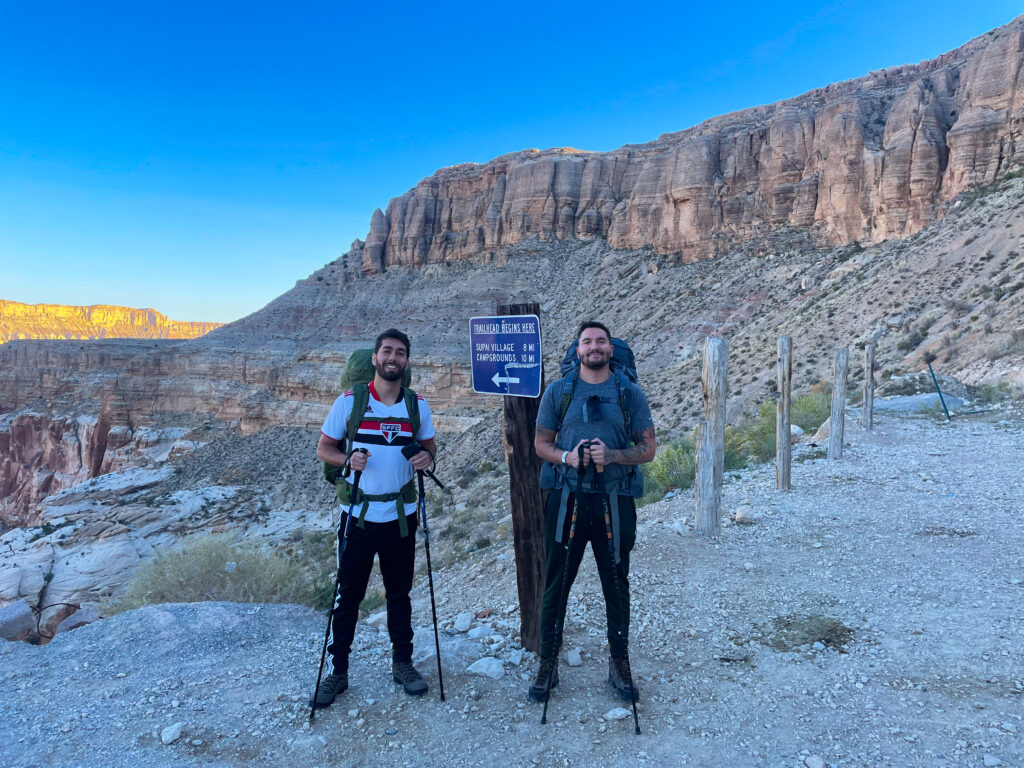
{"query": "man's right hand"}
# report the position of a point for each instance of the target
(357, 461)
(573, 459)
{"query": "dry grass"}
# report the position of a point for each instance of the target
(219, 568)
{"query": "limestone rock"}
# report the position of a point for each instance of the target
(16, 621)
(487, 667)
(172, 733)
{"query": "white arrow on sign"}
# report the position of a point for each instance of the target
(499, 380)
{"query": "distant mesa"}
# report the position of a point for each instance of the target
(99, 321)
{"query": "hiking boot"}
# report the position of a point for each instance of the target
(621, 678)
(330, 687)
(548, 671)
(412, 681)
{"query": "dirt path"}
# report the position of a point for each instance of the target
(874, 616)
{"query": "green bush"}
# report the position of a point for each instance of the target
(201, 570)
(674, 466)
(811, 410)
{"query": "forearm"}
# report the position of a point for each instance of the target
(332, 454)
(641, 453)
(544, 445)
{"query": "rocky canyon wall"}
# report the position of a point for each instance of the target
(100, 321)
(864, 160)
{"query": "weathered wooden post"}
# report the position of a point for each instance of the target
(783, 447)
(867, 411)
(837, 425)
(519, 424)
(711, 438)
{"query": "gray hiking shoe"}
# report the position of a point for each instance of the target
(621, 679)
(405, 673)
(547, 678)
(330, 687)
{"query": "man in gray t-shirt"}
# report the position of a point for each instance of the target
(591, 468)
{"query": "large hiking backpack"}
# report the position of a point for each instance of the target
(357, 375)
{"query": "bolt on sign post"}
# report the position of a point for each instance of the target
(837, 425)
(711, 438)
(783, 446)
(506, 360)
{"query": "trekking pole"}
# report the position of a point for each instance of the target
(337, 588)
(564, 599)
(430, 577)
(618, 588)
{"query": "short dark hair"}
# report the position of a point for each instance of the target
(397, 335)
(593, 324)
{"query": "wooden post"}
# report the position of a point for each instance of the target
(711, 438)
(519, 424)
(783, 447)
(837, 425)
(867, 411)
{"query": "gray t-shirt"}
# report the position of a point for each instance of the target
(595, 411)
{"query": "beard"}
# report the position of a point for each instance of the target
(595, 361)
(387, 375)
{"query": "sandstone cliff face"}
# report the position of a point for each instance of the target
(864, 160)
(55, 321)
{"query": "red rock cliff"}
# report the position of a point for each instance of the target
(866, 160)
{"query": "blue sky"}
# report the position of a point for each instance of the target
(199, 158)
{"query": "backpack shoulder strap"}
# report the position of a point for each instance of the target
(563, 405)
(622, 383)
(360, 399)
(412, 407)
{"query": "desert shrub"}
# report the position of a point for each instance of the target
(674, 466)
(992, 393)
(810, 411)
(220, 568)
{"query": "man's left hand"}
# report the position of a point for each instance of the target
(421, 460)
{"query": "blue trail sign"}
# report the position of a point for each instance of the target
(505, 354)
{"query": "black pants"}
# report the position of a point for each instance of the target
(590, 527)
(397, 556)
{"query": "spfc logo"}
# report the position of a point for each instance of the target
(390, 431)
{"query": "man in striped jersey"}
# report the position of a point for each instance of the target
(384, 514)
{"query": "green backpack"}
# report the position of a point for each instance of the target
(356, 376)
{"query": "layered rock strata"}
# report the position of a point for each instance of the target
(100, 321)
(864, 160)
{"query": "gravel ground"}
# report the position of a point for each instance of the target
(874, 616)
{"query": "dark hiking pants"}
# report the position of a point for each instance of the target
(590, 527)
(397, 556)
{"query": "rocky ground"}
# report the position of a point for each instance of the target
(873, 616)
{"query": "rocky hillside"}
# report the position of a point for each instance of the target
(99, 321)
(864, 160)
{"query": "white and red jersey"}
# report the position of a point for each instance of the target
(383, 431)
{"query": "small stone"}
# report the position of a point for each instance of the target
(171, 733)
(391, 731)
(573, 658)
(991, 761)
(353, 713)
(813, 761)
(463, 622)
(616, 714)
(487, 667)
(515, 657)
(197, 742)
(379, 619)
(478, 632)
(745, 515)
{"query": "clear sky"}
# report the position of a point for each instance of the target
(200, 157)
